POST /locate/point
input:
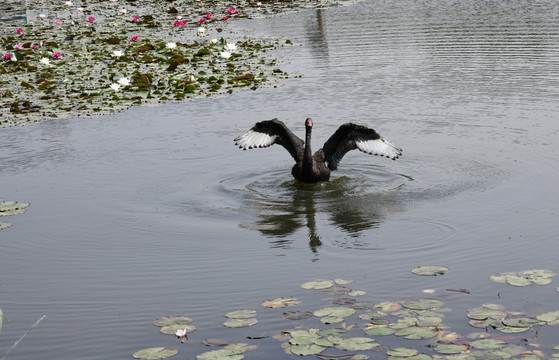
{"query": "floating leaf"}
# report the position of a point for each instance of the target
(4, 225)
(331, 313)
(336, 290)
(297, 315)
(281, 302)
(551, 317)
(342, 281)
(230, 352)
(304, 350)
(488, 344)
(12, 207)
(518, 281)
(525, 278)
(430, 270)
(318, 284)
(172, 320)
(241, 314)
(237, 323)
(214, 342)
(418, 332)
(450, 348)
(402, 352)
(155, 353)
(355, 343)
(357, 293)
(172, 329)
(423, 304)
(379, 330)
(486, 313)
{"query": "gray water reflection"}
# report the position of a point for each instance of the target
(155, 212)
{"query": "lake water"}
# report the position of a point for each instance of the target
(155, 212)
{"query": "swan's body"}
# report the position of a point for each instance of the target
(311, 168)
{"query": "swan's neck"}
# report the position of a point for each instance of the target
(307, 156)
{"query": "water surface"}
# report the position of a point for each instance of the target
(155, 212)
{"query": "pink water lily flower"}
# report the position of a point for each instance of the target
(34, 46)
(57, 55)
(209, 16)
(232, 11)
(135, 38)
(179, 23)
(201, 21)
(19, 31)
(136, 19)
(181, 334)
(18, 46)
(225, 18)
(91, 19)
(7, 57)
(58, 21)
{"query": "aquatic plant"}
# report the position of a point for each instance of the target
(398, 322)
(65, 60)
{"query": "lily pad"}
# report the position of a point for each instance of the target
(230, 352)
(355, 343)
(418, 332)
(488, 344)
(172, 320)
(155, 353)
(484, 313)
(304, 350)
(318, 284)
(8, 208)
(379, 330)
(525, 278)
(430, 270)
(237, 323)
(281, 302)
(551, 317)
(402, 352)
(4, 225)
(297, 315)
(241, 314)
(423, 304)
(172, 329)
(451, 348)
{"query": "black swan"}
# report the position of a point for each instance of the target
(311, 168)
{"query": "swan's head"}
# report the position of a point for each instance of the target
(308, 122)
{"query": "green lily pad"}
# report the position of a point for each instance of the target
(336, 290)
(402, 352)
(334, 311)
(430, 270)
(357, 293)
(342, 281)
(451, 348)
(241, 314)
(237, 323)
(418, 332)
(318, 284)
(304, 350)
(488, 344)
(518, 281)
(4, 225)
(355, 343)
(172, 320)
(423, 304)
(379, 330)
(484, 313)
(8, 208)
(155, 353)
(525, 278)
(281, 302)
(551, 317)
(297, 315)
(230, 352)
(172, 329)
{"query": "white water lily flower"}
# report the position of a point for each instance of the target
(124, 11)
(230, 47)
(118, 53)
(171, 45)
(214, 41)
(115, 86)
(68, 3)
(225, 54)
(192, 78)
(45, 61)
(124, 81)
(201, 30)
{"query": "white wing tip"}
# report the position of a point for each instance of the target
(380, 147)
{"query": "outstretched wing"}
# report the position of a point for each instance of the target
(349, 137)
(267, 133)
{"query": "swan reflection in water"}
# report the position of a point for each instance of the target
(324, 209)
